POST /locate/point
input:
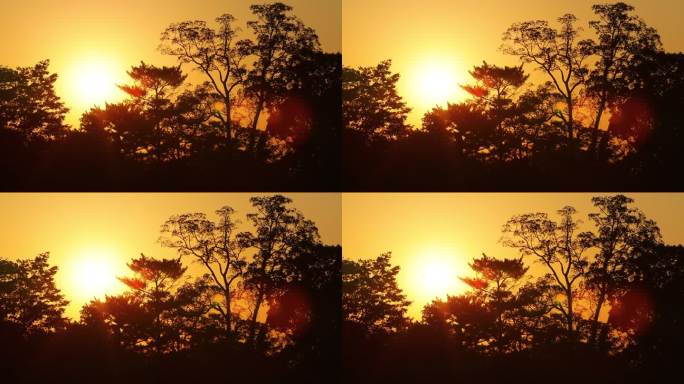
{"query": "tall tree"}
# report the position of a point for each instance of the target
(371, 296)
(153, 286)
(622, 39)
(279, 38)
(215, 246)
(29, 105)
(557, 246)
(308, 311)
(560, 55)
(307, 120)
(279, 234)
(495, 279)
(496, 315)
(488, 126)
(371, 104)
(142, 127)
(644, 310)
(621, 232)
(216, 53)
(29, 296)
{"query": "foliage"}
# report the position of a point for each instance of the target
(29, 297)
(170, 324)
(213, 245)
(606, 105)
(29, 105)
(558, 247)
(371, 105)
(515, 323)
(280, 234)
(371, 296)
(265, 110)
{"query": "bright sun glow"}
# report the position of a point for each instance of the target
(93, 273)
(434, 82)
(435, 273)
(437, 276)
(92, 81)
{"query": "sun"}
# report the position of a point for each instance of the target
(93, 80)
(93, 273)
(437, 277)
(434, 274)
(434, 81)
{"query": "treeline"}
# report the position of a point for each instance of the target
(265, 309)
(604, 308)
(266, 116)
(606, 116)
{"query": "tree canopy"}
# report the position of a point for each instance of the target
(594, 116)
(175, 322)
(588, 301)
(261, 114)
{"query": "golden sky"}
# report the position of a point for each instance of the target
(424, 38)
(433, 236)
(78, 35)
(103, 231)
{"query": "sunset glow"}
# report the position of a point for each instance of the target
(91, 237)
(456, 228)
(434, 82)
(91, 44)
(434, 46)
(435, 273)
(93, 81)
(437, 276)
(93, 272)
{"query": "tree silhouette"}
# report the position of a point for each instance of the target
(217, 54)
(371, 296)
(279, 39)
(488, 126)
(371, 104)
(499, 314)
(647, 119)
(557, 246)
(215, 246)
(308, 311)
(30, 299)
(621, 39)
(513, 324)
(621, 231)
(29, 105)
(607, 104)
(265, 107)
(280, 233)
(153, 282)
(560, 55)
(141, 319)
(645, 310)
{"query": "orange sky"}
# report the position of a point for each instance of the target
(117, 34)
(458, 34)
(79, 228)
(455, 228)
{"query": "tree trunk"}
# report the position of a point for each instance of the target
(597, 313)
(255, 123)
(228, 124)
(593, 149)
(569, 319)
(253, 325)
(228, 316)
(571, 123)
